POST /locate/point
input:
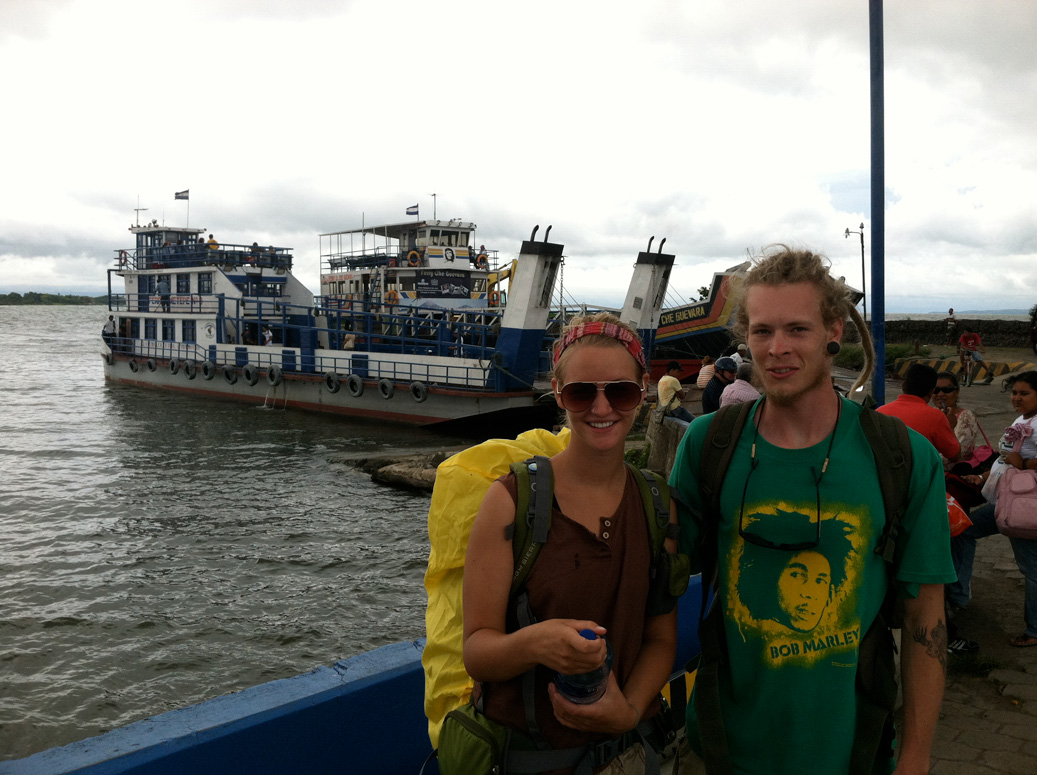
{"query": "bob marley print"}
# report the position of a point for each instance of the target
(802, 601)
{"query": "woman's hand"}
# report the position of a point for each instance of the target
(612, 714)
(975, 479)
(1015, 459)
(559, 645)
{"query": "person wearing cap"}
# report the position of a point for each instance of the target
(725, 374)
(672, 393)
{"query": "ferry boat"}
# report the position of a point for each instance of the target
(414, 324)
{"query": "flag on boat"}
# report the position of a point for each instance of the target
(412, 210)
(182, 194)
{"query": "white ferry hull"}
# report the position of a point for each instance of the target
(311, 392)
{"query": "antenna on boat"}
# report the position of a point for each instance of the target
(649, 250)
(138, 209)
(434, 205)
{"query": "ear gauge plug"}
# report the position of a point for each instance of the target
(833, 348)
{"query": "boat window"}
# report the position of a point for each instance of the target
(168, 330)
(422, 239)
(189, 331)
(183, 283)
(462, 239)
(205, 282)
(134, 327)
(479, 284)
(433, 238)
(150, 328)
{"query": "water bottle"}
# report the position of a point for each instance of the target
(585, 688)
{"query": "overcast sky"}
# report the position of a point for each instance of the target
(721, 125)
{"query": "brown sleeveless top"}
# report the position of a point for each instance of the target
(602, 577)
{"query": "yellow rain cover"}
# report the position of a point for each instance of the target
(461, 483)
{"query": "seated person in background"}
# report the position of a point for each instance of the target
(912, 407)
(966, 427)
(741, 390)
(672, 393)
(705, 373)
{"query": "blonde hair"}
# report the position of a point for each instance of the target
(781, 265)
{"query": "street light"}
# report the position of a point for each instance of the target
(864, 290)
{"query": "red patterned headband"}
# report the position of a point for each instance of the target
(611, 330)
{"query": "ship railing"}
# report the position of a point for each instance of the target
(292, 360)
(186, 303)
(199, 254)
(398, 256)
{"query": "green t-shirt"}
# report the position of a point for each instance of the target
(793, 618)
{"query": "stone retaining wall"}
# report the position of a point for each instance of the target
(995, 333)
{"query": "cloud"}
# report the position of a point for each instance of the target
(721, 127)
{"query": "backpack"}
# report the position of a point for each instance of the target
(876, 671)
(461, 483)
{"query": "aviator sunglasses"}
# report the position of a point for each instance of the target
(623, 395)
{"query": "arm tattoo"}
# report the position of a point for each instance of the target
(935, 643)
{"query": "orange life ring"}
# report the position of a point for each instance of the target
(494, 298)
(392, 297)
(414, 258)
(481, 261)
(123, 257)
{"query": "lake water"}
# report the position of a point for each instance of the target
(157, 550)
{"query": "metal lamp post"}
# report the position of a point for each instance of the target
(864, 289)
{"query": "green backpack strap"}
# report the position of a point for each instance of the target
(535, 495)
(891, 446)
(534, 498)
(876, 666)
(717, 450)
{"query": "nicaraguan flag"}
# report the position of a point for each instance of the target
(412, 210)
(182, 194)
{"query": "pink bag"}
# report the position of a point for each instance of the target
(1016, 509)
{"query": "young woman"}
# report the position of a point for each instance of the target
(963, 547)
(592, 574)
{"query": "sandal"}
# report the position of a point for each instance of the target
(1022, 641)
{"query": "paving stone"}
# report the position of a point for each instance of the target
(1009, 763)
(1026, 692)
(1021, 731)
(961, 768)
(1014, 677)
(955, 751)
(971, 724)
(989, 742)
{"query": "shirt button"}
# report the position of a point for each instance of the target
(608, 523)
(605, 535)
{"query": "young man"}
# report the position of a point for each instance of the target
(802, 482)
(726, 371)
(672, 393)
(912, 406)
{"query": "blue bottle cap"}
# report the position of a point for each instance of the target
(589, 634)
